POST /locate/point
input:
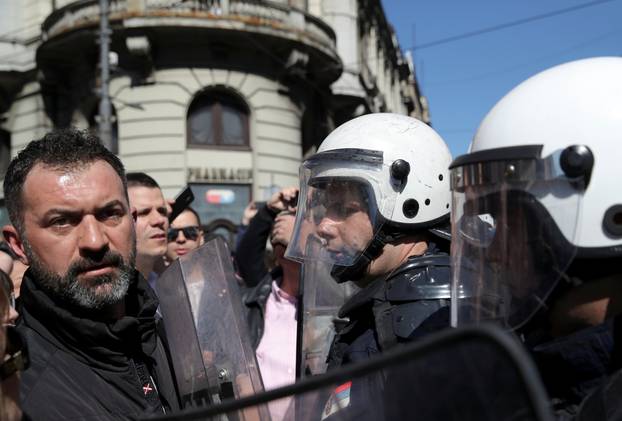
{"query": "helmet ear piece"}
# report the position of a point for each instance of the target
(577, 161)
(399, 171)
(612, 221)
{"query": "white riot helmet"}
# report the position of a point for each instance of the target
(539, 188)
(391, 167)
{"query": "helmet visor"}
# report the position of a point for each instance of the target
(513, 225)
(342, 195)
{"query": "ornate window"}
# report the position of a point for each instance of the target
(218, 119)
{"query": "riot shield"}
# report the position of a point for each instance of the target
(322, 298)
(210, 349)
(468, 374)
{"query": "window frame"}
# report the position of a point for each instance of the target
(217, 98)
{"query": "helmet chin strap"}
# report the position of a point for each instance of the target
(357, 270)
(386, 234)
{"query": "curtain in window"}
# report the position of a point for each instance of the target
(232, 126)
(200, 125)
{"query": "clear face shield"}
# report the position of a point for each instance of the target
(513, 225)
(322, 297)
(342, 196)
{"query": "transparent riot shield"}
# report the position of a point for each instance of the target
(467, 374)
(322, 298)
(207, 336)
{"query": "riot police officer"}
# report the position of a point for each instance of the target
(374, 202)
(537, 223)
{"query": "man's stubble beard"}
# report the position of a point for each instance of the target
(68, 287)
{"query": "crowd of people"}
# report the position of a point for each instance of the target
(524, 232)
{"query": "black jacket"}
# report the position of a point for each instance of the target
(254, 300)
(250, 256)
(604, 402)
(389, 311)
(81, 369)
(251, 251)
(574, 365)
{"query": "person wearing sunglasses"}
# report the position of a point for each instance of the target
(184, 235)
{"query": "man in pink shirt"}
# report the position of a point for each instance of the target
(272, 304)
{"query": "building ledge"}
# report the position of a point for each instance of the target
(282, 27)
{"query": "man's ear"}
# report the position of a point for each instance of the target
(14, 240)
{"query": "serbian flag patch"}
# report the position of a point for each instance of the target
(338, 400)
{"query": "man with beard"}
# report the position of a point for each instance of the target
(87, 314)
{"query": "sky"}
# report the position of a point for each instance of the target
(464, 79)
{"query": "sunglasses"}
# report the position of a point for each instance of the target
(191, 233)
(16, 354)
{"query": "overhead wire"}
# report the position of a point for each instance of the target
(507, 25)
(482, 31)
(525, 63)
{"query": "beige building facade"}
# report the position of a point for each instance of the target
(226, 96)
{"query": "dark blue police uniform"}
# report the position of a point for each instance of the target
(386, 314)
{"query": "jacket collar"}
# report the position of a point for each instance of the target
(259, 293)
(104, 344)
(376, 290)
(572, 365)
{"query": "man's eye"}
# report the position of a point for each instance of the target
(336, 210)
(112, 214)
(60, 222)
(349, 210)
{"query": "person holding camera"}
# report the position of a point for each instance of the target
(271, 296)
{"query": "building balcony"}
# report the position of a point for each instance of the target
(193, 33)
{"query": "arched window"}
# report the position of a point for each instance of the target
(217, 118)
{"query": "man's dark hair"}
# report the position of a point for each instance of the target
(63, 149)
(192, 211)
(140, 179)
